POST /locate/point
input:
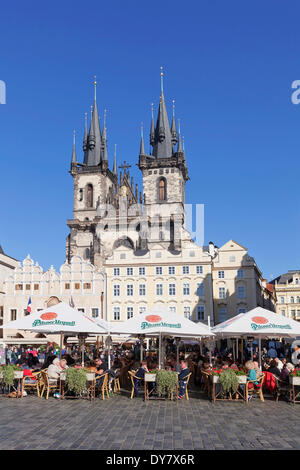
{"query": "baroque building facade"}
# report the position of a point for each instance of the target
(287, 288)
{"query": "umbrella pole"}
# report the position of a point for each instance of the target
(108, 338)
(159, 351)
(237, 349)
(233, 350)
(259, 351)
(177, 353)
(82, 354)
(61, 342)
(141, 349)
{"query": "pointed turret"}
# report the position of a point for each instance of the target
(115, 162)
(162, 146)
(74, 158)
(142, 147)
(85, 137)
(92, 156)
(173, 129)
(152, 128)
(179, 147)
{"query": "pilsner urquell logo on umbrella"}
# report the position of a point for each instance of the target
(50, 318)
(259, 323)
(156, 320)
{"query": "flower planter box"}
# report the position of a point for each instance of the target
(242, 379)
(63, 376)
(216, 379)
(18, 374)
(150, 377)
(294, 380)
(90, 376)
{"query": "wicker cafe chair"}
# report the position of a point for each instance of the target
(206, 381)
(47, 384)
(29, 384)
(282, 389)
(132, 376)
(257, 388)
(186, 393)
(104, 386)
(117, 387)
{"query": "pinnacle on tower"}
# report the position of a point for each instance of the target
(92, 156)
(74, 159)
(162, 143)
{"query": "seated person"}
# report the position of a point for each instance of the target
(139, 373)
(54, 370)
(287, 369)
(182, 378)
(259, 373)
(251, 374)
(63, 364)
(101, 368)
(274, 369)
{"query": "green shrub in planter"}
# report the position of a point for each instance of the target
(8, 374)
(166, 381)
(229, 380)
(76, 379)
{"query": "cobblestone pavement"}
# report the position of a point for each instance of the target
(121, 423)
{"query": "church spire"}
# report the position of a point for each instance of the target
(152, 128)
(142, 147)
(162, 145)
(179, 148)
(173, 129)
(74, 159)
(115, 172)
(85, 137)
(92, 157)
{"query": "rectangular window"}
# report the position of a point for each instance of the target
(222, 293)
(185, 270)
(28, 286)
(142, 271)
(142, 310)
(159, 289)
(172, 309)
(241, 310)
(240, 274)
(116, 271)
(293, 313)
(221, 274)
(129, 271)
(129, 312)
(116, 290)
(116, 313)
(172, 289)
(171, 269)
(26, 312)
(282, 300)
(67, 286)
(87, 285)
(200, 289)
(158, 270)
(241, 292)
(222, 314)
(187, 312)
(81, 310)
(19, 287)
(130, 289)
(186, 289)
(95, 312)
(283, 313)
(36, 286)
(142, 289)
(199, 269)
(13, 315)
(77, 285)
(200, 313)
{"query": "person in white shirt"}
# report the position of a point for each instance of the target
(279, 363)
(54, 369)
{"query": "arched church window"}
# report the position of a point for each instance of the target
(162, 189)
(90, 195)
(80, 195)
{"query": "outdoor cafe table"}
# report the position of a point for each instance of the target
(90, 387)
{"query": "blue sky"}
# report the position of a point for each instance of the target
(229, 66)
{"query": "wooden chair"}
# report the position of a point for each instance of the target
(282, 388)
(186, 393)
(117, 387)
(206, 381)
(47, 384)
(132, 376)
(28, 384)
(104, 386)
(256, 390)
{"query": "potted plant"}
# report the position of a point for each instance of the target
(76, 380)
(9, 373)
(229, 380)
(151, 376)
(166, 381)
(90, 376)
(241, 375)
(294, 377)
(216, 376)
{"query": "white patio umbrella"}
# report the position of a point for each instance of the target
(60, 318)
(160, 322)
(258, 323)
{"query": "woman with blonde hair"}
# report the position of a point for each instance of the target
(250, 366)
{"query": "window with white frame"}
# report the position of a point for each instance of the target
(186, 288)
(297, 280)
(200, 313)
(129, 271)
(282, 300)
(200, 289)
(159, 289)
(292, 300)
(95, 312)
(222, 293)
(116, 290)
(158, 270)
(241, 310)
(241, 291)
(187, 311)
(116, 313)
(130, 289)
(171, 269)
(142, 310)
(240, 274)
(298, 314)
(293, 313)
(172, 309)
(221, 274)
(298, 300)
(142, 289)
(172, 289)
(283, 312)
(222, 314)
(185, 270)
(116, 271)
(129, 312)
(199, 269)
(142, 271)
